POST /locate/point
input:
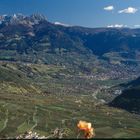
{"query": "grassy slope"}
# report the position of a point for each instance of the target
(23, 107)
(45, 113)
(14, 81)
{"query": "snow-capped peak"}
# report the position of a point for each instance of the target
(14, 16)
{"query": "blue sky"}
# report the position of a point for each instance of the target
(89, 13)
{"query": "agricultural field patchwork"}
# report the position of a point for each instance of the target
(43, 114)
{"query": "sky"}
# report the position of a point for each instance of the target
(88, 13)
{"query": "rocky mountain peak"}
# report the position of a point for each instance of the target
(22, 19)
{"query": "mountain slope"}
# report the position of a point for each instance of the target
(34, 39)
(130, 98)
(12, 80)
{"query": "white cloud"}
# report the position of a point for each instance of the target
(129, 10)
(137, 26)
(109, 8)
(117, 26)
(62, 24)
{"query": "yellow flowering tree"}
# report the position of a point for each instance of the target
(87, 128)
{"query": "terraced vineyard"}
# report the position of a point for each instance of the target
(43, 114)
(42, 98)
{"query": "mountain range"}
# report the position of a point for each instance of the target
(22, 38)
(52, 74)
(113, 52)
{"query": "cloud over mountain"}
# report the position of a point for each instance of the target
(62, 24)
(137, 26)
(117, 26)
